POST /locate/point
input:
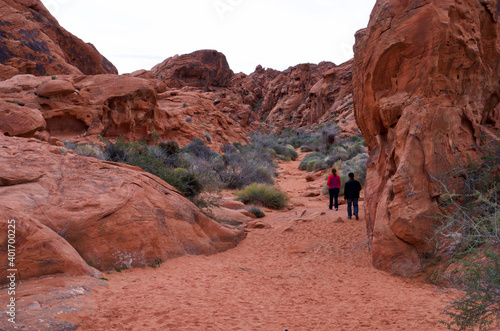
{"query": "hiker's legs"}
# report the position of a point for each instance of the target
(330, 191)
(336, 196)
(349, 208)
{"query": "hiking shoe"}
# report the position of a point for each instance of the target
(329, 207)
(335, 208)
(356, 215)
(349, 217)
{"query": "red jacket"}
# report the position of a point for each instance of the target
(333, 181)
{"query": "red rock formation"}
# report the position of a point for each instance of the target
(426, 88)
(19, 121)
(33, 42)
(202, 68)
(83, 107)
(39, 251)
(193, 114)
(304, 95)
(113, 215)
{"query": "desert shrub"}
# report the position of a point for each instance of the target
(169, 147)
(285, 153)
(240, 168)
(237, 145)
(313, 161)
(228, 148)
(89, 150)
(117, 151)
(198, 148)
(470, 227)
(70, 145)
(184, 181)
(356, 165)
(207, 136)
(256, 211)
(266, 195)
(354, 149)
(337, 153)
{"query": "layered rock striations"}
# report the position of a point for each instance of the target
(33, 42)
(426, 92)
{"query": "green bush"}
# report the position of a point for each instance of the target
(263, 194)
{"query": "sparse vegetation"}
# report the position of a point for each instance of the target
(195, 168)
(470, 229)
(263, 194)
(156, 263)
(256, 211)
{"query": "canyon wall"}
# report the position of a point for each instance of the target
(426, 92)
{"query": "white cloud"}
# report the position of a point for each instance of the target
(277, 34)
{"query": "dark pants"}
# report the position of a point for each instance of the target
(334, 193)
(350, 204)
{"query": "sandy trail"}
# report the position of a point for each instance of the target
(313, 275)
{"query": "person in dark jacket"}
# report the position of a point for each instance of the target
(351, 194)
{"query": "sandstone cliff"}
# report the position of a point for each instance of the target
(33, 42)
(426, 90)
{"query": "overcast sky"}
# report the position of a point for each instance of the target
(275, 34)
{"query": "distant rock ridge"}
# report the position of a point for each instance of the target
(33, 42)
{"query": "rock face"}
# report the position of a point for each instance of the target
(202, 68)
(39, 250)
(426, 89)
(33, 42)
(82, 107)
(112, 215)
(19, 121)
(303, 95)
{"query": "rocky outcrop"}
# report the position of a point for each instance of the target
(82, 108)
(20, 121)
(33, 42)
(426, 91)
(39, 251)
(202, 68)
(113, 215)
(301, 96)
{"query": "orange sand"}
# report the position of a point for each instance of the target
(317, 277)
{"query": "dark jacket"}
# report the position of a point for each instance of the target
(351, 189)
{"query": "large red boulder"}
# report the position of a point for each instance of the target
(35, 250)
(33, 42)
(113, 215)
(202, 68)
(426, 93)
(16, 120)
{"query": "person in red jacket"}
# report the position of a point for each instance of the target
(333, 184)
